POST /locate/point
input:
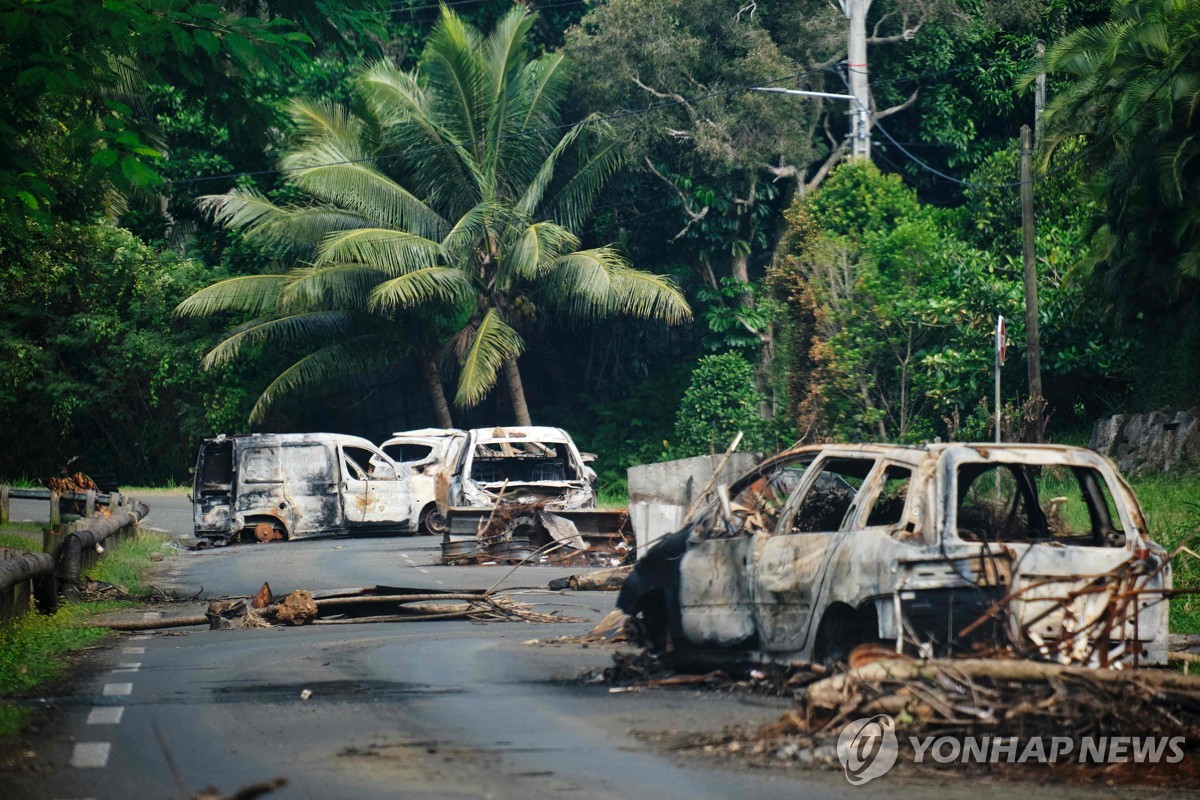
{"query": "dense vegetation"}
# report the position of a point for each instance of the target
(376, 208)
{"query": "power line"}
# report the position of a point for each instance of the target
(1061, 167)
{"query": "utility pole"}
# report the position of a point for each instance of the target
(1039, 97)
(1032, 340)
(860, 141)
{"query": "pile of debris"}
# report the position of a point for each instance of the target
(376, 604)
(513, 532)
(1017, 703)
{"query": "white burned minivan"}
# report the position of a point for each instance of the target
(271, 487)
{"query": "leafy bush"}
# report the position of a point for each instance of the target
(720, 401)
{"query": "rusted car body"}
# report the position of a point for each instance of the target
(428, 456)
(940, 549)
(517, 489)
(291, 486)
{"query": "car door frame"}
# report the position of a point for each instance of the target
(766, 576)
(385, 503)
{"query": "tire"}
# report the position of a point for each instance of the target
(432, 522)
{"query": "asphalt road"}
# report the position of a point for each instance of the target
(420, 710)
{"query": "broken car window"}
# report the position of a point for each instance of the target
(757, 506)
(408, 452)
(364, 465)
(831, 495)
(1029, 503)
(522, 462)
(888, 508)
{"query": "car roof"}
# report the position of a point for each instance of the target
(520, 433)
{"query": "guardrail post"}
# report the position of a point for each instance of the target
(55, 509)
(52, 541)
(4, 513)
(89, 504)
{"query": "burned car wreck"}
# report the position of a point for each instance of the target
(516, 490)
(944, 549)
(272, 487)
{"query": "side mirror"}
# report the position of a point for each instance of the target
(191, 470)
(189, 497)
(587, 458)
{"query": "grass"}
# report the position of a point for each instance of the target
(127, 562)
(1171, 504)
(32, 646)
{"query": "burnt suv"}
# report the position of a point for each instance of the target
(938, 549)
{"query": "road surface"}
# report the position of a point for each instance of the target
(446, 709)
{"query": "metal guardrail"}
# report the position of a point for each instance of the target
(66, 549)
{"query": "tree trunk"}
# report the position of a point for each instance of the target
(516, 391)
(437, 393)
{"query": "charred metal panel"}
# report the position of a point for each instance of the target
(713, 596)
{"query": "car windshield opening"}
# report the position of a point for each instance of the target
(522, 462)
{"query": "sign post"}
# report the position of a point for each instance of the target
(999, 348)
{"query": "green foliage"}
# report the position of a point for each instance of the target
(32, 645)
(899, 312)
(1133, 91)
(72, 75)
(127, 561)
(1172, 510)
(720, 401)
(464, 232)
(91, 366)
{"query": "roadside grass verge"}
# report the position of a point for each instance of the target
(33, 646)
(127, 562)
(1171, 504)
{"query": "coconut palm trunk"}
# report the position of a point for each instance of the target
(437, 393)
(516, 391)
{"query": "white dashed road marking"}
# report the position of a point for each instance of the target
(141, 637)
(128, 666)
(425, 571)
(118, 689)
(106, 715)
(133, 651)
(152, 615)
(90, 754)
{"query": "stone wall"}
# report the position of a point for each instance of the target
(1161, 441)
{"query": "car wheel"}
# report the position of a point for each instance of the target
(432, 522)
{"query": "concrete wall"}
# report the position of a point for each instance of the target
(660, 494)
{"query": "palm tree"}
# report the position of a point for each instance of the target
(1133, 92)
(453, 197)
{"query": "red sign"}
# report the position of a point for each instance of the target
(1000, 340)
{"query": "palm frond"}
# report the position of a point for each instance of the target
(648, 296)
(494, 343)
(394, 251)
(453, 73)
(292, 226)
(322, 119)
(460, 242)
(538, 249)
(327, 173)
(420, 287)
(332, 286)
(285, 331)
(589, 284)
(254, 294)
(601, 156)
(324, 368)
